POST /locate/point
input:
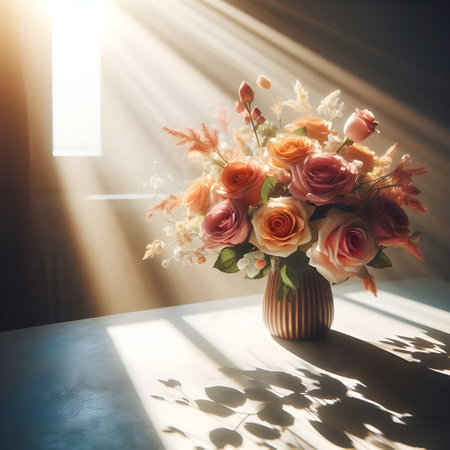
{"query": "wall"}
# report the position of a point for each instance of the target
(167, 66)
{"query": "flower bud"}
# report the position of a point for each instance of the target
(360, 125)
(263, 82)
(246, 93)
(239, 107)
(260, 263)
(260, 120)
(256, 113)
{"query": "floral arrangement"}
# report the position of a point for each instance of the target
(292, 196)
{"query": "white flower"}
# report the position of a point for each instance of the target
(169, 230)
(178, 253)
(331, 107)
(301, 103)
(332, 144)
(250, 262)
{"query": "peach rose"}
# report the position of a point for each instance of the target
(345, 244)
(360, 125)
(360, 153)
(290, 149)
(280, 226)
(200, 194)
(316, 128)
(225, 224)
(242, 180)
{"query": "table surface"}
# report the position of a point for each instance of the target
(209, 375)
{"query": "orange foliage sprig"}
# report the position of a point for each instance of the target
(204, 143)
(167, 205)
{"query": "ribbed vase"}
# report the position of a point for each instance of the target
(306, 314)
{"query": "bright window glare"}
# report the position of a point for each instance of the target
(76, 85)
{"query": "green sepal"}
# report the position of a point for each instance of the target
(300, 132)
(229, 256)
(267, 188)
(380, 261)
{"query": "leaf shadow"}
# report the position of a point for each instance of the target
(405, 401)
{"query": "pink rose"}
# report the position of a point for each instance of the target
(323, 178)
(360, 125)
(345, 244)
(225, 224)
(242, 180)
(280, 226)
(389, 221)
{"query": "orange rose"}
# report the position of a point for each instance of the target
(280, 226)
(360, 153)
(198, 196)
(316, 128)
(242, 180)
(290, 149)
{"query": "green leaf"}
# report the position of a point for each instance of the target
(380, 261)
(300, 132)
(267, 188)
(229, 256)
(297, 261)
(261, 274)
(283, 290)
(290, 270)
(288, 277)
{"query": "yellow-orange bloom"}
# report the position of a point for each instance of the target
(242, 180)
(290, 149)
(360, 153)
(280, 226)
(316, 128)
(197, 197)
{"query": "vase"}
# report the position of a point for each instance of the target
(306, 313)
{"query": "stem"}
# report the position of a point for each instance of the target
(346, 141)
(221, 156)
(251, 121)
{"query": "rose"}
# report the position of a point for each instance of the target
(225, 224)
(322, 178)
(360, 125)
(280, 226)
(200, 194)
(316, 128)
(242, 180)
(290, 149)
(345, 244)
(360, 153)
(389, 221)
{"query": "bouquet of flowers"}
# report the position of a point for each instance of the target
(291, 197)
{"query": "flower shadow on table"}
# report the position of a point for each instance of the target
(430, 353)
(389, 400)
(387, 383)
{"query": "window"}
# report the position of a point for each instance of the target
(76, 77)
